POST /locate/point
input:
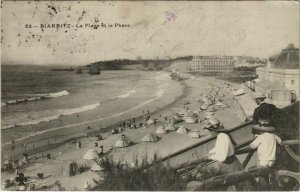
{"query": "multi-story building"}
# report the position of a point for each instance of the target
(211, 63)
(279, 80)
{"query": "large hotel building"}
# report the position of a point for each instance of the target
(205, 64)
(211, 63)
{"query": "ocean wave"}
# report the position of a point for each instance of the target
(125, 95)
(31, 118)
(37, 97)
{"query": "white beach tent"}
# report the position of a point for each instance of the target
(170, 127)
(195, 134)
(160, 130)
(182, 130)
(97, 167)
(123, 142)
(150, 121)
(219, 103)
(204, 107)
(91, 154)
(150, 137)
(190, 120)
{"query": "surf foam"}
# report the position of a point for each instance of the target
(31, 118)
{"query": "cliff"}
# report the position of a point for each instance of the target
(126, 64)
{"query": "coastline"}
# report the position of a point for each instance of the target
(79, 134)
(65, 151)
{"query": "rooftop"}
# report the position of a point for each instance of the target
(287, 59)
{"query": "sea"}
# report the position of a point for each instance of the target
(33, 95)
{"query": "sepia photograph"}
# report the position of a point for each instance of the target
(150, 95)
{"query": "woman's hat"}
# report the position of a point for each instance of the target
(216, 128)
(259, 95)
(264, 125)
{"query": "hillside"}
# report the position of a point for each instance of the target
(126, 64)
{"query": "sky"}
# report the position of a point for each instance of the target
(156, 30)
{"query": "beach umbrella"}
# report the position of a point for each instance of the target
(160, 130)
(91, 154)
(150, 137)
(181, 130)
(195, 134)
(170, 127)
(150, 121)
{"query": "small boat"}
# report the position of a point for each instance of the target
(94, 70)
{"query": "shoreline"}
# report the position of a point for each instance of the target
(6, 147)
(170, 143)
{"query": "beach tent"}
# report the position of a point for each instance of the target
(150, 121)
(150, 137)
(160, 130)
(219, 103)
(170, 127)
(70, 169)
(190, 120)
(182, 130)
(214, 121)
(204, 107)
(91, 154)
(123, 141)
(97, 167)
(195, 134)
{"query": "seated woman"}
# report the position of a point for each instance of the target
(222, 155)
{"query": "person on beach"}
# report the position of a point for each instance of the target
(78, 145)
(13, 145)
(101, 151)
(264, 110)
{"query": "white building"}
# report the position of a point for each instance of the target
(211, 63)
(279, 80)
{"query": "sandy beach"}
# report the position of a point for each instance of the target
(178, 94)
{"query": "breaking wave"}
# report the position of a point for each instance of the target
(31, 118)
(36, 97)
(125, 95)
